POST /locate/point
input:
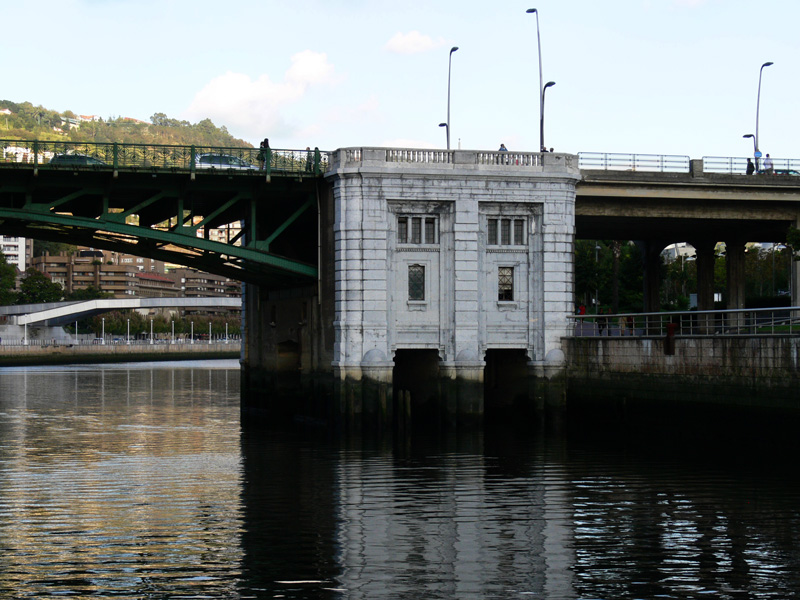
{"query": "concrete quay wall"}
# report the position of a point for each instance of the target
(758, 372)
(20, 355)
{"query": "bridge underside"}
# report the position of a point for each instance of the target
(681, 207)
(675, 229)
(658, 209)
(272, 226)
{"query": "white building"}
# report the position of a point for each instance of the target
(14, 249)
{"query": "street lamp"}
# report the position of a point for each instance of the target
(128, 336)
(449, 67)
(447, 133)
(541, 81)
(151, 332)
(541, 123)
(104, 331)
(192, 334)
(758, 106)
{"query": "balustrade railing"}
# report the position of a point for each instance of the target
(783, 321)
(419, 156)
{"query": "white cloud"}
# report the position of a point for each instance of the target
(255, 105)
(412, 42)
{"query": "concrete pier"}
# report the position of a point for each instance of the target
(436, 268)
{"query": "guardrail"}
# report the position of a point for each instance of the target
(738, 166)
(98, 156)
(660, 163)
(783, 321)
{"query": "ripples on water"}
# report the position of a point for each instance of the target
(136, 481)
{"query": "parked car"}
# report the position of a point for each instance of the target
(222, 161)
(786, 172)
(76, 160)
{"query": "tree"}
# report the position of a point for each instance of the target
(37, 287)
(90, 292)
(53, 248)
(8, 276)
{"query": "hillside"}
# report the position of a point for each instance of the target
(24, 121)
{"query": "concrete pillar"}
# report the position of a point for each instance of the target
(735, 268)
(734, 261)
(704, 250)
(651, 263)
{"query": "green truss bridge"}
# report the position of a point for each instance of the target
(164, 202)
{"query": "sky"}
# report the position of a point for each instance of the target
(677, 77)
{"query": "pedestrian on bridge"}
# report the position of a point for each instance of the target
(262, 153)
(751, 168)
(768, 166)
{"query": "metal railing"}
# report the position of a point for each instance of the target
(782, 321)
(738, 166)
(659, 163)
(100, 156)
(182, 339)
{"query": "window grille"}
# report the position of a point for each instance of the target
(505, 284)
(416, 282)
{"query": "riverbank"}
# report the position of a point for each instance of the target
(20, 355)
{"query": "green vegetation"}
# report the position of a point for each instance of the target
(36, 287)
(27, 122)
(612, 272)
(8, 276)
(767, 277)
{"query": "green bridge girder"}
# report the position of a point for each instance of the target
(152, 201)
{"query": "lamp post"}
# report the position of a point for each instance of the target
(128, 335)
(447, 133)
(758, 106)
(449, 68)
(173, 332)
(541, 81)
(191, 335)
(209, 333)
(104, 331)
(151, 332)
(541, 122)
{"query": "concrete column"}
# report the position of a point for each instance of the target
(705, 281)
(734, 261)
(735, 267)
(651, 263)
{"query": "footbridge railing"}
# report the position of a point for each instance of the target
(65, 155)
(782, 321)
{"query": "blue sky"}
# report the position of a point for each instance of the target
(632, 76)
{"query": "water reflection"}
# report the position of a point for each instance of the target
(138, 481)
(118, 482)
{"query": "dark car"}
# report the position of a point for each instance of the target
(74, 160)
(786, 172)
(222, 161)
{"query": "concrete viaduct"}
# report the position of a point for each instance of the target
(696, 206)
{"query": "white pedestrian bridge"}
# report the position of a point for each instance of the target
(59, 313)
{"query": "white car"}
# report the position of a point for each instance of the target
(222, 161)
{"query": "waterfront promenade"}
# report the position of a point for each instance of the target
(64, 352)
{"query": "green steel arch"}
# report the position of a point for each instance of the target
(162, 202)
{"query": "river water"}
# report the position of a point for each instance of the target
(138, 481)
